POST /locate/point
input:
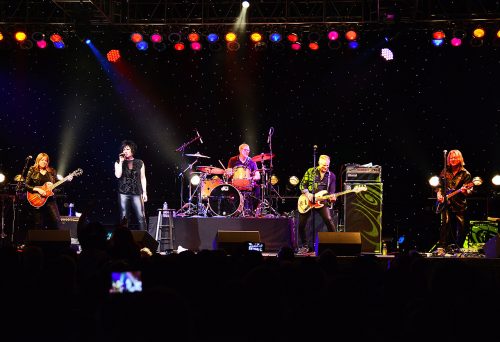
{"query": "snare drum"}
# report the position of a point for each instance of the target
(242, 178)
(225, 200)
(208, 185)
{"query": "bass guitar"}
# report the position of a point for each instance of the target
(37, 200)
(440, 206)
(304, 205)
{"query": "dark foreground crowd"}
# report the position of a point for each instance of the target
(59, 295)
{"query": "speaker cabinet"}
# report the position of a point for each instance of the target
(50, 241)
(363, 213)
(341, 243)
(144, 239)
(235, 241)
(70, 223)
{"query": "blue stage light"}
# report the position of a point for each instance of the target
(142, 46)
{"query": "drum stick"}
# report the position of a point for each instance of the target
(222, 165)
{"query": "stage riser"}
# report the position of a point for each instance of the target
(198, 233)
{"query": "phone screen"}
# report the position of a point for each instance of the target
(126, 282)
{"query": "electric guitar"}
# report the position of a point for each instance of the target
(440, 206)
(304, 205)
(37, 200)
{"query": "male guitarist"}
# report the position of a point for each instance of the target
(323, 179)
(454, 176)
(46, 216)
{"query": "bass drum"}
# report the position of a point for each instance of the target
(225, 200)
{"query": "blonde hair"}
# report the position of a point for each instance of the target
(457, 153)
(242, 146)
(39, 157)
(324, 157)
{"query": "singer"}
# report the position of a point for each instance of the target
(131, 175)
(242, 168)
(47, 216)
(323, 179)
(455, 176)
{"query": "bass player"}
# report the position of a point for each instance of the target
(454, 176)
(322, 179)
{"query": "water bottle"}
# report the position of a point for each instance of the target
(165, 207)
(71, 206)
(384, 248)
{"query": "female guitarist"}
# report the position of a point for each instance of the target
(453, 177)
(47, 216)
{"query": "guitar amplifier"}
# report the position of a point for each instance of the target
(369, 174)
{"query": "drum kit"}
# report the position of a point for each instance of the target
(228, 193)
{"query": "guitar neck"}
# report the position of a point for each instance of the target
(336, 194)
(453, 193)
(55, 185)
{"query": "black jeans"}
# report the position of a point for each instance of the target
(452, 228)
(324, 212)
(47, 216)
(129, 203)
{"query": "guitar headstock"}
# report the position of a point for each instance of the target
(77, 172)
(359, 188)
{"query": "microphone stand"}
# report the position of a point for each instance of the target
(314, 196)
(17, 194)
(181, 175)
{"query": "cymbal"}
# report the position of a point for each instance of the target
(262, 157)
(197, 154)
(210, 170)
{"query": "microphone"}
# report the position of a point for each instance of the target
(122, 154)
(29, 157)
(315, 147)
(199, 136)
(445, 151)
(271, 130)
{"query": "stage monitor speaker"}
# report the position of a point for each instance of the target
(50, 241)
(341, 243)
(363, 213)
(235, 241)
(144, 239)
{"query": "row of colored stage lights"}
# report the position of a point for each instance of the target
(38, 38)
(195, 40)
(458, 37)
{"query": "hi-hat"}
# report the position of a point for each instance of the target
(262, 157)
(210, 170)
(197, 154)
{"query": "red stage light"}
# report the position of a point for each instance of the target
(351, 35)
(193, 37)
(438, 35)
(113, 55)
(136, 37)
(292, 37)
(313, 46)
(55, 38)
(179, 46)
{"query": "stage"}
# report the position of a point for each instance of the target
(198, 233)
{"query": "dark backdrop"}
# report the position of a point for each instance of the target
(353, 105)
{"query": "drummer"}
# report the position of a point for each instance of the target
(243, 160)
